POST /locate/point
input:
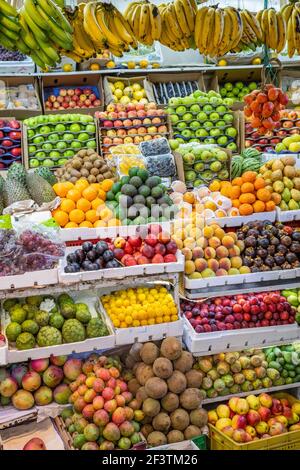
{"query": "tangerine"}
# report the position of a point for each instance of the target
(92, 216)
(106, 185)
(83, 204)
(77, 216)
(86, 223)
(247, 188)
(259, 206)
(71, 225)
(74, 195)
(249, 176)
(67, 205)
(61, 218)
(100, 223)
(90, 193)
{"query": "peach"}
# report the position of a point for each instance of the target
(234, 251)
(187, 253)
(195, 232)
(82, 389)
(214, 242)
(276, 429)
(232, 235)
(197, 252)
(103, 374)
(98, 402)
(79, 404)
(73, 397)
(222, 252)
(239, 422)
(189, 242)
(120, 400)
(241, 245)
(208, 231)
(202, 242)
(236, 262)
(250, 430)
(89, 395)
(225, 263)
(208, 273)
(129, 413)
(221, 272)
(213, 264)
(220, 233)
(228, 241)
(110, 406)
(200, 265)
(88, 412)
(98, 385)
(87, 367)
(189, 267)
(209, 252)
(81, 379)
(127, 396)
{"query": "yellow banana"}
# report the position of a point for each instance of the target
(253, 24)
(129, 9)
(210, 50)
(82, 38)
(155, 22)
(246, 28)
(189, 14)
(124, 29)
(286, 12)
(180, 15)
(218, 28)
(236, 26)
(259, 19)
(265, 26)
(207, 26)
(92, 27)
(273, 33)
(171, 22)
(290, 39)
(144, 22)
(194, 6)
(296, 28)
(60, 18)
(135, 20)
(73, 56)
(200, 16)
(225, 44)
(281, 27)
(37, 32)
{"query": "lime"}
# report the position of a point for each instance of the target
(13, 330)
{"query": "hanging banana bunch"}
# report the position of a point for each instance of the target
(10, 28)
(145, 21)
(290, 15)
(273, 26)
(173, 34)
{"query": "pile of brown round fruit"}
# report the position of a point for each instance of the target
(270, 247)
(166, 387)
(85, 164)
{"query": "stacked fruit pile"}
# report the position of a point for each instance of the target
(147, 306)
(71, 98)
(282, 178)
(166, 387)
(203, 163)
(240, 311)
(127, 93)
(53, 139)
(38, 382)
(251, 418)
(236, 90)
(10, 142)
(131, 124)
(101, 417)
(43, 321)
(203, 118)
(249, 193)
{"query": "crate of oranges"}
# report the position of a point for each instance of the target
(83, 211)
(145, 313)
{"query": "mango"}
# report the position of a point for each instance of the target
(278, 187)
(295, 195)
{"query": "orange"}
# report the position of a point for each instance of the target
(61, 218)
(102, 194)
(226, 190)
(246, 209)
(247, 188)
(100, 223)
(106, 185)
(113, 222)
(189, 197)
(215, 185)
(67, 205)
(77, 216)
(91, 215)
(259, 206)
(61, 189)
(259, 183)
(95, 186)
(97, 202)
(236, 203)
(83, 204)
(74, 194)
(249, 176)
(270, 206)
(86, 223)
(105, 214)
(247, 198)
(235, 192)
(71, 225)
(90, 193)
(81, 184)
(237, 181)
(263, 195)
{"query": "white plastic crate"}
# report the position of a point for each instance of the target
(25, 67)
(239, 220)
(119, 273)
(220, 341)
(30, 279)
(102, 342)
(287, 216)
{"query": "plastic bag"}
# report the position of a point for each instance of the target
(125, 162)
(161, 165)
(155, 147)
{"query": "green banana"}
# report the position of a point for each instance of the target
(10, 34)
(45, 58)
(60, 18)
(38, 60)
(7, 9)
(22, 46)
(9, 23)
(49, 51)
(6, 42)
(32, 11)
(38, 33)
(27, 36)
(47, 7)
(64, 36)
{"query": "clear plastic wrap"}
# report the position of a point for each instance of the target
(161, 165)
(155, 147)
(28, 248)
(125, 162)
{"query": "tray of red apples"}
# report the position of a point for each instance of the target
(243, 320)
(58, 99)
(131, 124)
(10, 142)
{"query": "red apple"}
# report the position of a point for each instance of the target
(157, 259)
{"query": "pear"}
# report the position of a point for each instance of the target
(289, 171)
(293, 205)
(278, 187)
(288, 183)
(295, 195)
(283, 206)
(277, 165)
(286, 195)
(291, 161)
(276, 175)
(296, 182)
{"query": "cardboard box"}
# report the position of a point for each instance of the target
(12, 81)
(176, 77)
(128, 81)
(72, 81)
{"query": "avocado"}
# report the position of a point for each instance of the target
(165, 199)
(144, 190)
(139, 199)
(150, 201)
(125, 201)
(136, 181)
(133, 171)
(153, 181)
(110, 196)
(157, 192)
(116, 187)
(133, 212)
(125, 180)
(143, 174)
(129, 190)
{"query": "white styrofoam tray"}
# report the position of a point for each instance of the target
(239, 279)
(219, 341)
(142, 334)
(89, 344)
(287, 216)
(3, 355)
(118, 273)
(30, 279)
(239, 220)
(83, 233)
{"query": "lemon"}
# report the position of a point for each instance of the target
(131, 65)
(136, 323)
(174, 318)
(167, 318)
(110, 64)
(159, 319)
(67, 67)
(94, 66)
(256, 61)
(144, 64)
(222, 63)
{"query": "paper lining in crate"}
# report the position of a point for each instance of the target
(119, 273)
(241, 279)
(89, 344)
(145, 333)
(128, 81)
(219, 341)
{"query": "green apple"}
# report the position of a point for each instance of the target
(232, 146)
(220, 124)
(231, 132)
(223, 140)
(245, 90)
(209, 140)
(202, 116)
(33, 163)
(91, 144)
(195, 109)
(180, 140)
(208, 124)
(90, 128)
(83, 136)
(75, 127)
(201, 133)
(53, 118)
(174, 144)
(54, 154)
(214, 100)
(31, 149)
(221, 109)
(66, 117)
(203, 100)
(208, 108)
(190, 175)
(41, 119)
(62, 161)
(54, 137)
(75, 144)
(170, 110)
(186, 133)
(194, 140)
(228, 86)
(68, 137)
(189, 158)
(220, 155)
(187, 117)
(199, 167)
(30, 133)
(195, 125)
(48, 162)
(38, 140)
(83, 118)
(235, 91)
(228, 117)
(214, 117)
(188, 100)
(213, 93)
(229, 95)
(47, 146)
(206, 155)
(252, 86)
(197, 183)
(60, 128)
(198, 93)
(215, 132)
(174, 118)
(223, 92)
(40, 155)
(181, 125)
(229, 101)
(180, 110)
(61, 145)
(44, 130)
(175, 101)
(69, 153)
(239, 85)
